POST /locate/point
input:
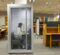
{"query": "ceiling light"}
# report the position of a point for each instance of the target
(48, 3)
(32, 0)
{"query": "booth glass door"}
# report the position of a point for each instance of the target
(21, 28)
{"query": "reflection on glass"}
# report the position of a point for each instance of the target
(18, 32)
(29, 39)
(28, 29)
(21, 29)
(19, 38)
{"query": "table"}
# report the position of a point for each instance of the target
(51, 37)
(50, 34)
(2, 30)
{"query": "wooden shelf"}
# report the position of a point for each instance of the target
(52, 27)
(52, 33)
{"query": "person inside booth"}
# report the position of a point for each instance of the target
(19, 32)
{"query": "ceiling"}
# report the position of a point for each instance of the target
(3, 4)
(46, 6)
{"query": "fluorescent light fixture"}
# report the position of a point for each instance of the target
(48, 3)
(32, 0)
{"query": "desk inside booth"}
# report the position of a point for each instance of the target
(51, 33)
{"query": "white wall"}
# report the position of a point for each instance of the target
(2, 20)
(20, 1)
(50, 18)
(53, 18)
(3, 14)
(56, 18)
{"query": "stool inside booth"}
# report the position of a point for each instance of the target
(51, 34)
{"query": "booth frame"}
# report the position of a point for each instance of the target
(9, 6)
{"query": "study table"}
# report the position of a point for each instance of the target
(51, 34)
(3, 32)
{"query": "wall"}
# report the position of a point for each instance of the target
(56, 18)
(51, 17)
(44, 15)
(2, 20)
(2, 17)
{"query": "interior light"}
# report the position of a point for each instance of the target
(47, 3)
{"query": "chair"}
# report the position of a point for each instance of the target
(15, 44)
(0, 33)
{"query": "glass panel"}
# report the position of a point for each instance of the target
(29, 29)
(18, 30)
